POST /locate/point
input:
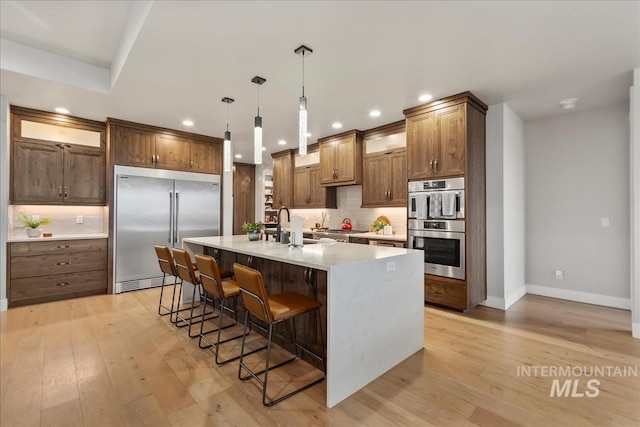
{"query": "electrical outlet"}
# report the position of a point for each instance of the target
(391, 266)
(79, 219)
(35, 217)
(559, 275)
(604, 222)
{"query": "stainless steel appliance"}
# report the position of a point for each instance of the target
(337, 234)
(389, 243)
(158, 207)
(443, 245)
(422, 194)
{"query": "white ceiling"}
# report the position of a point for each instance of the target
(181, 58)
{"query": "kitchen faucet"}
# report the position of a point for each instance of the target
(278, 227)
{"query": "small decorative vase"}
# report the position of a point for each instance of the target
(33, 232)
(253, 235)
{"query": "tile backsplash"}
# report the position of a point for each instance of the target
(349, 202)
(63, 219)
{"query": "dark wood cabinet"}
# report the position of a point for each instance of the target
(150, 147)
(307, 191)
(282, 179)
(51, 172)
(341, 159)
(437, 137)
(385, 179)
(53, 270)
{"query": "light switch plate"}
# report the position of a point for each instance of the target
(79, 219)
(559, 275)
(391, 266)
(604, 222)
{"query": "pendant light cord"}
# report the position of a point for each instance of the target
(303, 73)
(258, 100)
(227, 117)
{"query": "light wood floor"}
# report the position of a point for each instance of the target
(111, 360)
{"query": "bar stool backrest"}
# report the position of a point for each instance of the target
(184, 266)
(210, 275)
(165, 259)
(254, 296)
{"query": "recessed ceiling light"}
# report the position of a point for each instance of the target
(568, 103)
(188, 123)
(336, 125)
(374, 113)
(238, 156)
(264, 148)
(282, 142)
(61, 110)
(424, 98)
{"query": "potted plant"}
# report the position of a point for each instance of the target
(378, 225)
(253, 229)
(31, 225)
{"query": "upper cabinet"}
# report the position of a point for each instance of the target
(282, 179)
(385, 166)
(56, 159)
(341, 159)
(438, 135)
(307, 191)
(149, 147)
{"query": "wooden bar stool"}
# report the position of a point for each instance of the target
(222, 290)
(168, 268)
(272, 310)
(186, 272)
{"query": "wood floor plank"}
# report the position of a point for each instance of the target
(111, 360)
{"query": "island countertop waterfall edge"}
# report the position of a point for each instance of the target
(375, 303)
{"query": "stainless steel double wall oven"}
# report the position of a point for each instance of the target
(436, 225)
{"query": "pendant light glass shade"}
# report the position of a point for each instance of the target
(257, 126)
(257, 141)
(227, 151)
(226, 148)
(302, 127)
(302, 114)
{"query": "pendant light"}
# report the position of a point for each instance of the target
(302, 117)
(227, 139)
(257, 126)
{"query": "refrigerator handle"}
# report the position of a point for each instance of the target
(176, 230)
(171, 218)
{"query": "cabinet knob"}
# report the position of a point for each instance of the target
(63, 283)
(63, 263)
(62, 246)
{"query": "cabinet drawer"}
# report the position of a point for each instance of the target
(58, 247)
(56, 286)
(40, 265)
(447, 294)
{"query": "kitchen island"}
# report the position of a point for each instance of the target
(373, 299)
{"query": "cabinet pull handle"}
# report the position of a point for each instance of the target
(431, 165)
(60, 192)
(192, 164)
(66, 191)
(63, 283)
(153, 159)
(390, 195)
(63, 263)
(62, 246)
(157, 158)
(435, 164)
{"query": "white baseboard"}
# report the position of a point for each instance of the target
(578, 296)
(4, 304)
(514, 296)
(635, 330)
(494, 302)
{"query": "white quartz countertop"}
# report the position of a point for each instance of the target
(322, 256)
(376, 236)
(57, 237)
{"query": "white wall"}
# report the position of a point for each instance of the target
(577, 172)
(4, 197)
(635, 203)
(505, 207)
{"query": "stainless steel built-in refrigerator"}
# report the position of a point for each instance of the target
(160, 209)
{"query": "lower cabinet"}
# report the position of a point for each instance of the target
(54, 270)
(450, 293)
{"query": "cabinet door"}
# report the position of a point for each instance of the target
(327, 162)
(420, 145)
(37, 174)
(84, 175)
(134, 147)
(318, 196)
(398, 179)
(450, 141)
(301, 185)
(345, 159)
(206, 157)
(172, 152)
(282, 181)
(375, 183)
